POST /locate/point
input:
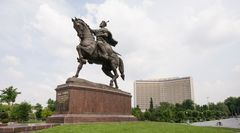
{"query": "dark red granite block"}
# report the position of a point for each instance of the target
(90, 102)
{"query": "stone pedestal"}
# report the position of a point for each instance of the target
(80, 100)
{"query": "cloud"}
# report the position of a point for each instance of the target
(11, 60)
(55, 31)
(157, 39)
(213, 26)
(14, 73)
(167, 40)
(236, 68)
(12, 63)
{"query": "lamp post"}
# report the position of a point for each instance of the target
(207, 102)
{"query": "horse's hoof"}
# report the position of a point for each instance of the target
(111, 84)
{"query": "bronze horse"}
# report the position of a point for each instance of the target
(89, 50)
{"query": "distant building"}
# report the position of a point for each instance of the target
(171, 90)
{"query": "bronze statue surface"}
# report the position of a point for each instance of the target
(98, 51)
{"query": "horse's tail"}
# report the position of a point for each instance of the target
(121, 68)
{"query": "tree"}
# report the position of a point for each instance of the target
(179, 107)
(164, 112)
(238, 105)
(180, 116)
(195, 115)
(38, 112)
(137, 113)
(151, 105)
(4, 118)
(20, 112)
(23, 111)
(188, 114)
(147, 115)
(222, 108)
(188, 104)
(211, 106)
(208, 114)
(167, 115)
(231, 103)
(9, 95)
(45, 113)
(204, 107)
(51, 104)
(14, 112)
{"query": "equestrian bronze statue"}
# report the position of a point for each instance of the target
(99, 50)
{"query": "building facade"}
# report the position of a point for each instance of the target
(171, 90)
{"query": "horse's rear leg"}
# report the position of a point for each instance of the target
(109, 74)
(115, 77)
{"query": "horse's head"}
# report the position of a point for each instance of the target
(80, 26)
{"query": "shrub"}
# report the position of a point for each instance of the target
(4, 117)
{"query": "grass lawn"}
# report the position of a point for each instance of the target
(135, 127)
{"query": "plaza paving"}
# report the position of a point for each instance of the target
(230, 123)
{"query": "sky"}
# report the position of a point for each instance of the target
(157, 39)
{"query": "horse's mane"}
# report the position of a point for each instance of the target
(85, 24)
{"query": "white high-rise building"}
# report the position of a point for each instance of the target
(171, 90)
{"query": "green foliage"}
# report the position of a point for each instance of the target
(185, 112)
(32, 116)
(38, 112)
(45, 113)
(233, 104)
(180, 116)
(48, 111)
(137, 113)
(147, 115)
(20, 112)
(223, 108)
(4, 118)
(14, 112)
(9, 95)
(23, 111)
(4, 108)
(188, 104)
(51, 104)
(204, 108)
(151, 105)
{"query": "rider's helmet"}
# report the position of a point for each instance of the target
(103, 24)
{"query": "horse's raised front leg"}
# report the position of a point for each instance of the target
(80, 59)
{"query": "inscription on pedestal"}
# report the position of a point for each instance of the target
(62, 101)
